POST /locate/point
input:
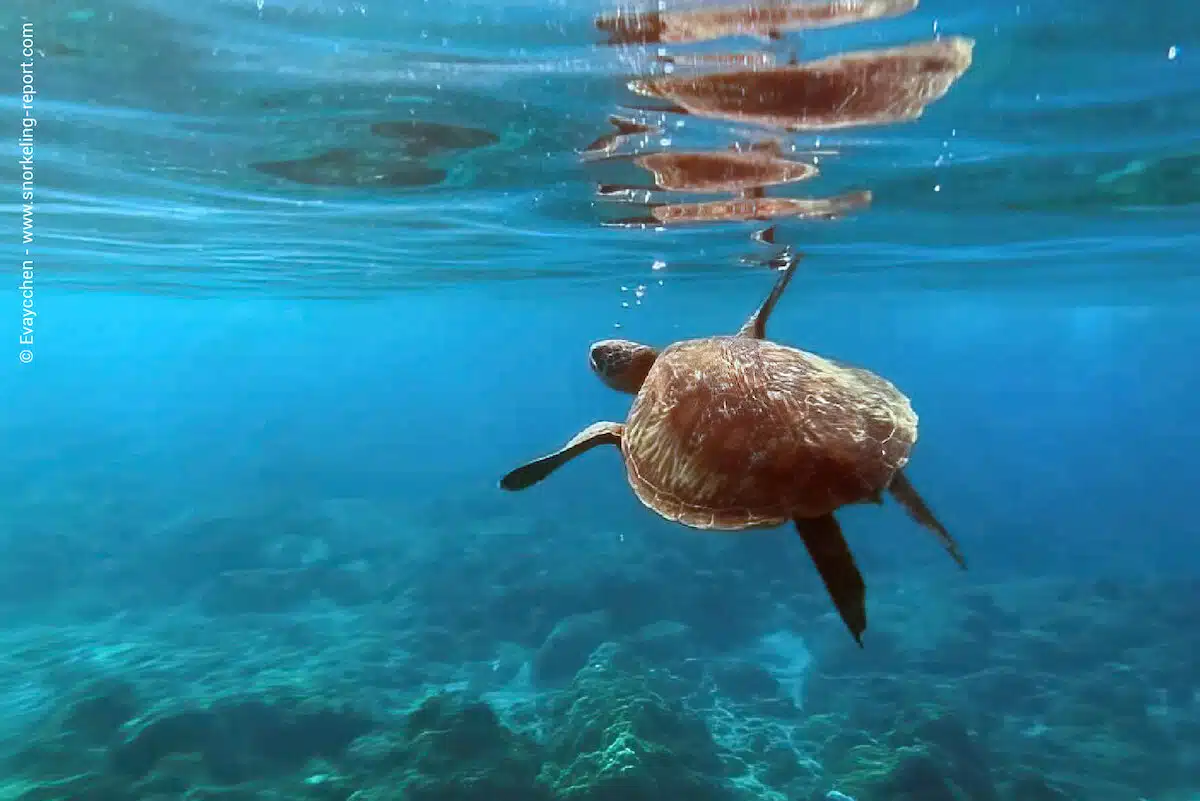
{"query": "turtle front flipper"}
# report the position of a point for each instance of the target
(831, 554)
(602, 433)
(756, 326)
(904, 492)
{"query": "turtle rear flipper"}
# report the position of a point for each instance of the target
(906, 494)
(831, 554)
(525, 476)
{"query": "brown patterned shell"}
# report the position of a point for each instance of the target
(736, 433)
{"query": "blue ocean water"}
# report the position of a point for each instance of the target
(253, 544)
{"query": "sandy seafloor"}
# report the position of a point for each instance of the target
(284, 653)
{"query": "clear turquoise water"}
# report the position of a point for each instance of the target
(211, 341)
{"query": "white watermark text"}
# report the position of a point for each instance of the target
(26, 276)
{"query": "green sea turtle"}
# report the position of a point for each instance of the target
(737, 432)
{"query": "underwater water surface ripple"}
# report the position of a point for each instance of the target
(169, 130)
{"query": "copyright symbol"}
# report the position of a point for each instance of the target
(26, 356)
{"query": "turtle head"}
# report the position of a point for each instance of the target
(622, 365)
